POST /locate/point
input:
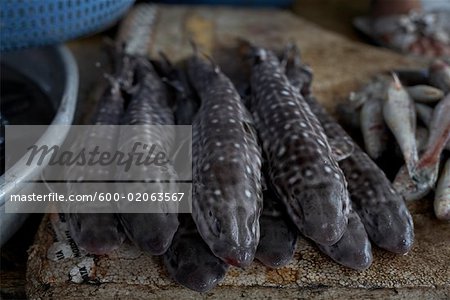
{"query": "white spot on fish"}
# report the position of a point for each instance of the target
(281, 151)
(237, 145)
(284, 92)
(232, 121)
(303, 124)
(218, 144)
(221, 158)
(215, 106)
(214, 121)
(217, 192)
(287, 126)
(336, 175)
(247, 193)
(206, 167)
(305, 134)
(327, 169)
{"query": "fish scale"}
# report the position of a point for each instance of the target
(152, 232)
(227, 197)
(302, 168)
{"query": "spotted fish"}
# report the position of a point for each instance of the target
(353, 250)
(227, 196)
(442, 195)
(100, 233)
(400, 116)
(278, 234)
(189, 260)
(301, 164)
(427, 168)
(300, 76)
(152, 232)
(383, 212)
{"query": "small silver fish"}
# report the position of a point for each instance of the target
(227, 195)
(301, 165)
(439, 75)
(152, 232)
(353, 250)
(373, 128)
(442, 194)
(424, 113)
(278, 234)
(408, 188)
(427, 168)
(190, 262)
(400, 116)
(425, 93)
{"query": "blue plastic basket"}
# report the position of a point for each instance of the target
(28, 23)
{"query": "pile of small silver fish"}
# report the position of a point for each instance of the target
(269, 167)
(411, 107)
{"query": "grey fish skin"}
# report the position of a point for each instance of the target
(278, 234)
(439, 134)
(302, 167)
(425, 93)
(100, 233)
(190, 262)
(442, 195)
(439, 75)
(300, 76)
(400, 116)
(348, 116)
(227, 195)
(373, 128)
(148, 106)
(383, 212)
(353, 250)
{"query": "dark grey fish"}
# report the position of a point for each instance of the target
(301, 164)
(300, 76)
(152, 232)
(400, 116)
(189, 260)
(98, 233)
(278, 234)
(353, 250)
(227, 196)
(383, 212)
(424, 113)
(348, 116)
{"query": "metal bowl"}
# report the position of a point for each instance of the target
(55, 71)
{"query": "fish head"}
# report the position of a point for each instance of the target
(191, 263)
(389, 224)
(326, 205)
(230, 225)
(96, 233)
(151, 232)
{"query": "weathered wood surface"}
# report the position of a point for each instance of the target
(340, 66)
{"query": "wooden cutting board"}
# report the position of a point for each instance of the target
(57, 268)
